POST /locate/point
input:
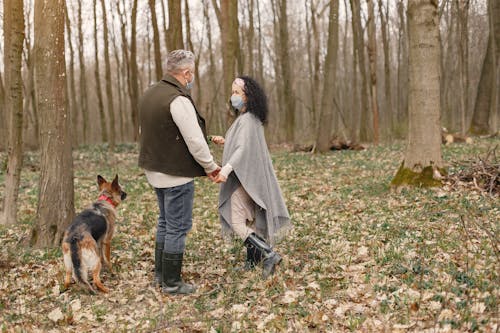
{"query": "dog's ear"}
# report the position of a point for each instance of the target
(114, 184)
(100, 180)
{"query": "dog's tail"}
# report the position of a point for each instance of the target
(75, 257)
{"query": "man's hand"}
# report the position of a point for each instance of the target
(213, 175)
(220, 179)
(219, 140)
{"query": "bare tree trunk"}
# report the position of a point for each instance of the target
(227, 16)
(120, 80)
(280, 118)
(251, 38)
(359, 42)
(174, 32)
(463, 54)
(156, 41)
(133, 77)
(372, 56)
(313, 49)
(327, 99)
(125, 70)
(13, 25)
(56, 196)
(286, 76)
(402, 105)
(3, 121)
(384, 25)
(487, 91)
(147, 51)
(73, 111)
(100, 106)
(109, 90)
(197, 94)
(423, 162)
(31, 118)
(260, 68)
(83, 79)
(164, 25)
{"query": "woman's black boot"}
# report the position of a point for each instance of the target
(254, 256)
(270, 258)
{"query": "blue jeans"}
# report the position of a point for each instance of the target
(176, 216)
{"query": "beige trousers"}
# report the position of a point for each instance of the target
(242, 213)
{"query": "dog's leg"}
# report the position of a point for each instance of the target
(97, 279)
(107, 254)
(68, 264)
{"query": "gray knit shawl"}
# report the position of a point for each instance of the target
(246, 150)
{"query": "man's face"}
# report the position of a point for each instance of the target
(189, 75)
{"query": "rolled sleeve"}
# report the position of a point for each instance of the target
(184, 116)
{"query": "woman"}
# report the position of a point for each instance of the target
(251, 205)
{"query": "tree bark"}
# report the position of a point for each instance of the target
(227, 16)
(313, 50)
(13, 25)
(133, 77)
(423, 163)
(286, 76)
(97, 76)
(109, 90)
(358, 40)
(251, 38)
(329, 86)
(156, 41)
(83, 77)
(487, 90)
(73, 111)
(384, 26)
(3, 121)
(402, 100)
(125, 69)
(174, 41)
(120, 80)
(372, 57)
(56, 196)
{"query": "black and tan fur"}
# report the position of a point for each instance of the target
(86, 242)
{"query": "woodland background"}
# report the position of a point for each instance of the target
(115, 49)
(367, 253)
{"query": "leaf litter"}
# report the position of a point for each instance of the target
(360, 257)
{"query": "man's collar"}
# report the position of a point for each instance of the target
(172, 80)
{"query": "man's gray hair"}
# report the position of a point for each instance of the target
(179, 60)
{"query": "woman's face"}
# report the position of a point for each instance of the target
(237, 90)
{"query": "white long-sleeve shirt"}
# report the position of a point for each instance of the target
(184, 116)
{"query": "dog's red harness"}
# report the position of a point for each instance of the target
(106, 198)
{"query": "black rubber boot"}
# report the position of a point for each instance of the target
(270, 258)
(254, 256)
(158, 254)
(171, 275)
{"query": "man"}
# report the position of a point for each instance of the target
(173, 150)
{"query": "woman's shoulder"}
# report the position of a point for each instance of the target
(250, 118)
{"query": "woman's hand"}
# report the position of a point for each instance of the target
(220, 178)
(219, 140)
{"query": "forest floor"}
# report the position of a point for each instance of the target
(360, 257)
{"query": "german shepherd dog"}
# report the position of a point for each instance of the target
(86, 242)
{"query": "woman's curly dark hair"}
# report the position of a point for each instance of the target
(256, 98)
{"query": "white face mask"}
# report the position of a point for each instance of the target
(237, 102)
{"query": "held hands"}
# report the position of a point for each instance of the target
(213, 175)
(219, 140)
(220, 179)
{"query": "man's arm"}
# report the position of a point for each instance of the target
(184, 116)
